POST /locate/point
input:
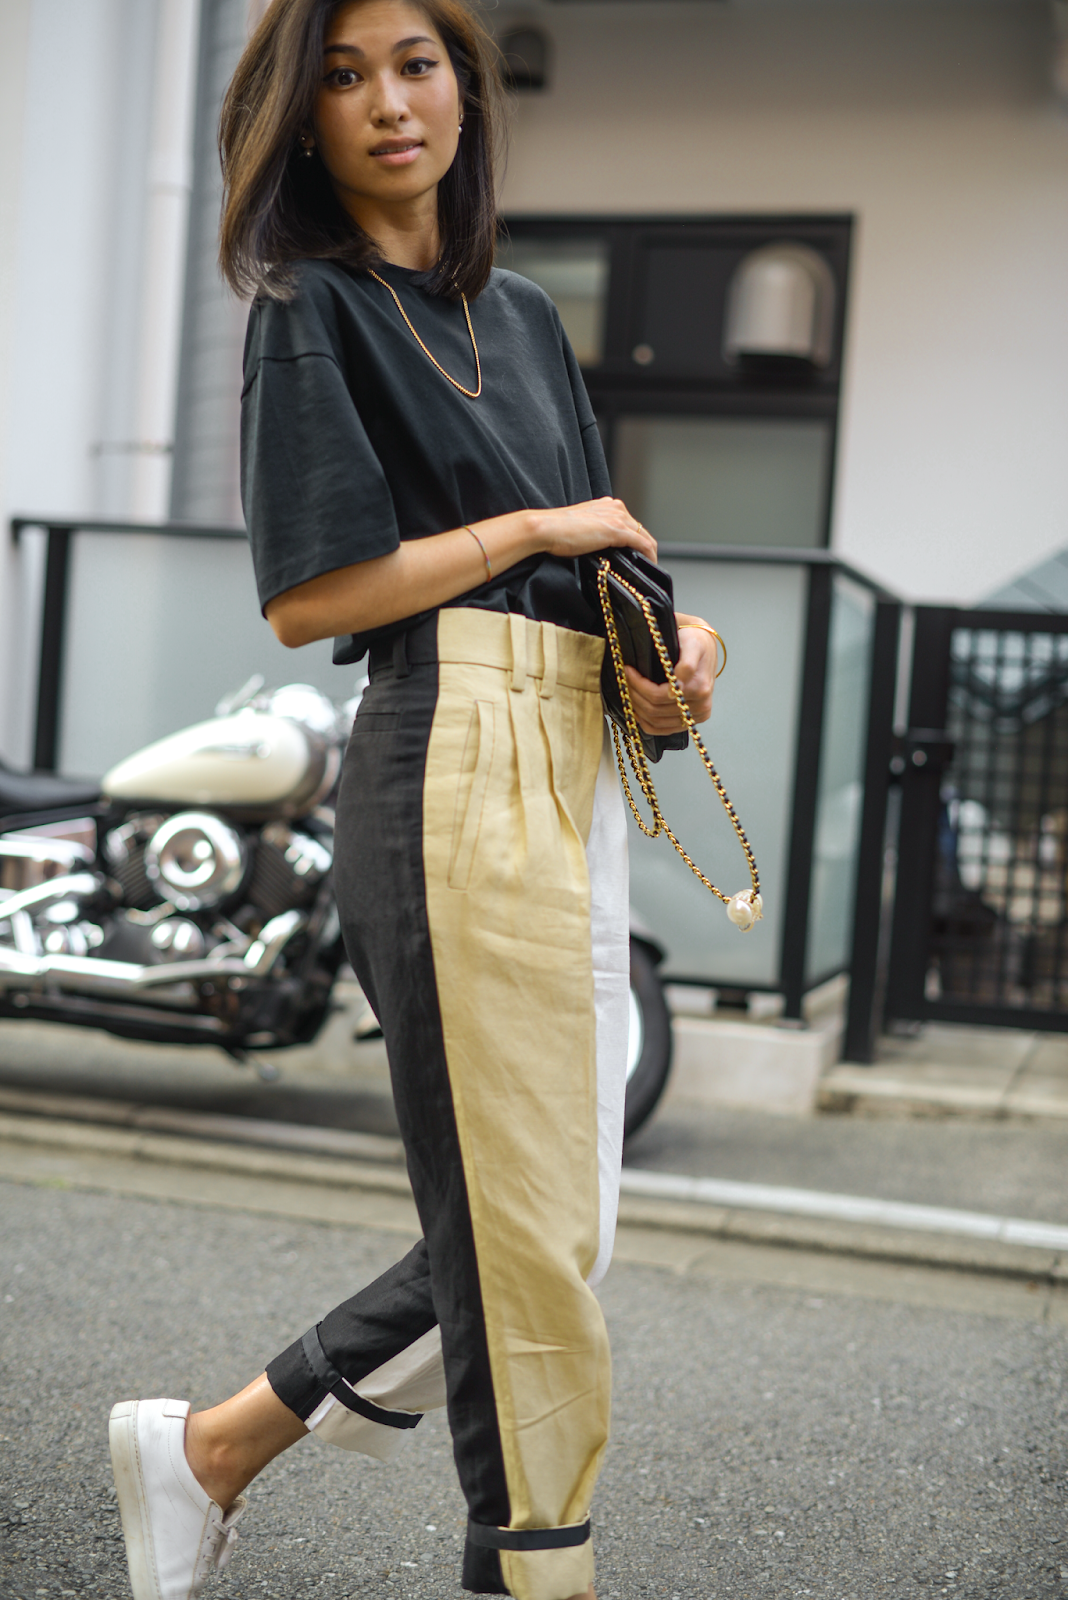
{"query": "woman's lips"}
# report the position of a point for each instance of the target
(397, 158)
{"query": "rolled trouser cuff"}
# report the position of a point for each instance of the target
(528, 1538)
(533, 1563)
(333, 1383)
(305, 1379)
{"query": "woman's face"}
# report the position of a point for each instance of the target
(387, 116)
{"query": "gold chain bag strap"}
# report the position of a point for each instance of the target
(745, 909)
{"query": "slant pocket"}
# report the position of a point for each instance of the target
(376, 722)
(471, 795)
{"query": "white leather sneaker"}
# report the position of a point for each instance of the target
(175, 1533)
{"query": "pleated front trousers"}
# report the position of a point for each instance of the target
(482, 883)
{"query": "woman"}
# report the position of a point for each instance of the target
(421, 467)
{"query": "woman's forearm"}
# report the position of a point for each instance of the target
(418, 576)
(426, 573)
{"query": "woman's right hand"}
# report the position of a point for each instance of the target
(594, 525)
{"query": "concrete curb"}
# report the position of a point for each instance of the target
(875, 1243)
(746, 1213)
(206, 1125)
(211, 1155)
(849, 1208)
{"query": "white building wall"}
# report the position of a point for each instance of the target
(83, 183)
(76, 249)
(14, 50)
(934, 122)
(14, 58)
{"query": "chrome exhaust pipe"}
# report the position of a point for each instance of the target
(90, 975)
(24, 900)
(44, 852)
(16, 908)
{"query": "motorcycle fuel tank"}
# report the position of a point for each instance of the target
(248, 759)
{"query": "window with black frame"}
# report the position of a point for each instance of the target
(712, 350)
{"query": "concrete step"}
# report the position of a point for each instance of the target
(948, 1070)
(928, 1091)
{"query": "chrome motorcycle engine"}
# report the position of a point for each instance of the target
(289, 867)
(124, 851)
(196, 860)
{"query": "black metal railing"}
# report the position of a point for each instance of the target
(60, 534)
(795, 975)
(960, 910)
(969, 800)
(792, 972)
(873, 898)
(981, 918)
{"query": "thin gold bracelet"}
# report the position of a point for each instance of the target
(705, 627)
(482, 547)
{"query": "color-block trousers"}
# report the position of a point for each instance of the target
(482, 881)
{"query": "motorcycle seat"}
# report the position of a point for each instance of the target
(24, 792)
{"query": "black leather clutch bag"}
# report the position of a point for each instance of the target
(628, 570)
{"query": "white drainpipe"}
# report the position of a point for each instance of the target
(170, 178)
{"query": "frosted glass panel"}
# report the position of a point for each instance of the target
(715, 480)
(841, 782)
(574, 274)
(160, 628)
(752, 737)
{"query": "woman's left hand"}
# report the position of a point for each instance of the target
(654, 703)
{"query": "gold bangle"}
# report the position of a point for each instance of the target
(704, 627)
(482, 547)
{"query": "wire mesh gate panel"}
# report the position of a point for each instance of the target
(980, 929)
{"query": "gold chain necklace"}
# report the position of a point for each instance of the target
(472, 394)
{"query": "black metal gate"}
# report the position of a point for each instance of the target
(980, 922)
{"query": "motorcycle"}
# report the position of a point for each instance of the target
(187, 899)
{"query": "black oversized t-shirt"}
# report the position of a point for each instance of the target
(351, 441)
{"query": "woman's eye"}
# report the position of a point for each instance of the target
(342, 77)
(419, 66)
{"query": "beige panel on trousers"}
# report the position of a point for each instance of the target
(508, 800)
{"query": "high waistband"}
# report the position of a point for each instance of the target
(513, 644)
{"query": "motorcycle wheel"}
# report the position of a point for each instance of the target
(650, 1045)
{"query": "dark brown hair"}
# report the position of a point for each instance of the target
(279, 208)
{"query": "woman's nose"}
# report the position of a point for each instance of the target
(390, 103)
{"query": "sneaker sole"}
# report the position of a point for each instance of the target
(133, 1510)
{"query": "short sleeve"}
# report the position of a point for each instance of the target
(592, 447)
(314, 494)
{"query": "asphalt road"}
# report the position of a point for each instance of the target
(768, 1441)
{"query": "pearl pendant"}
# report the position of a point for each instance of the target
(745, 911)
